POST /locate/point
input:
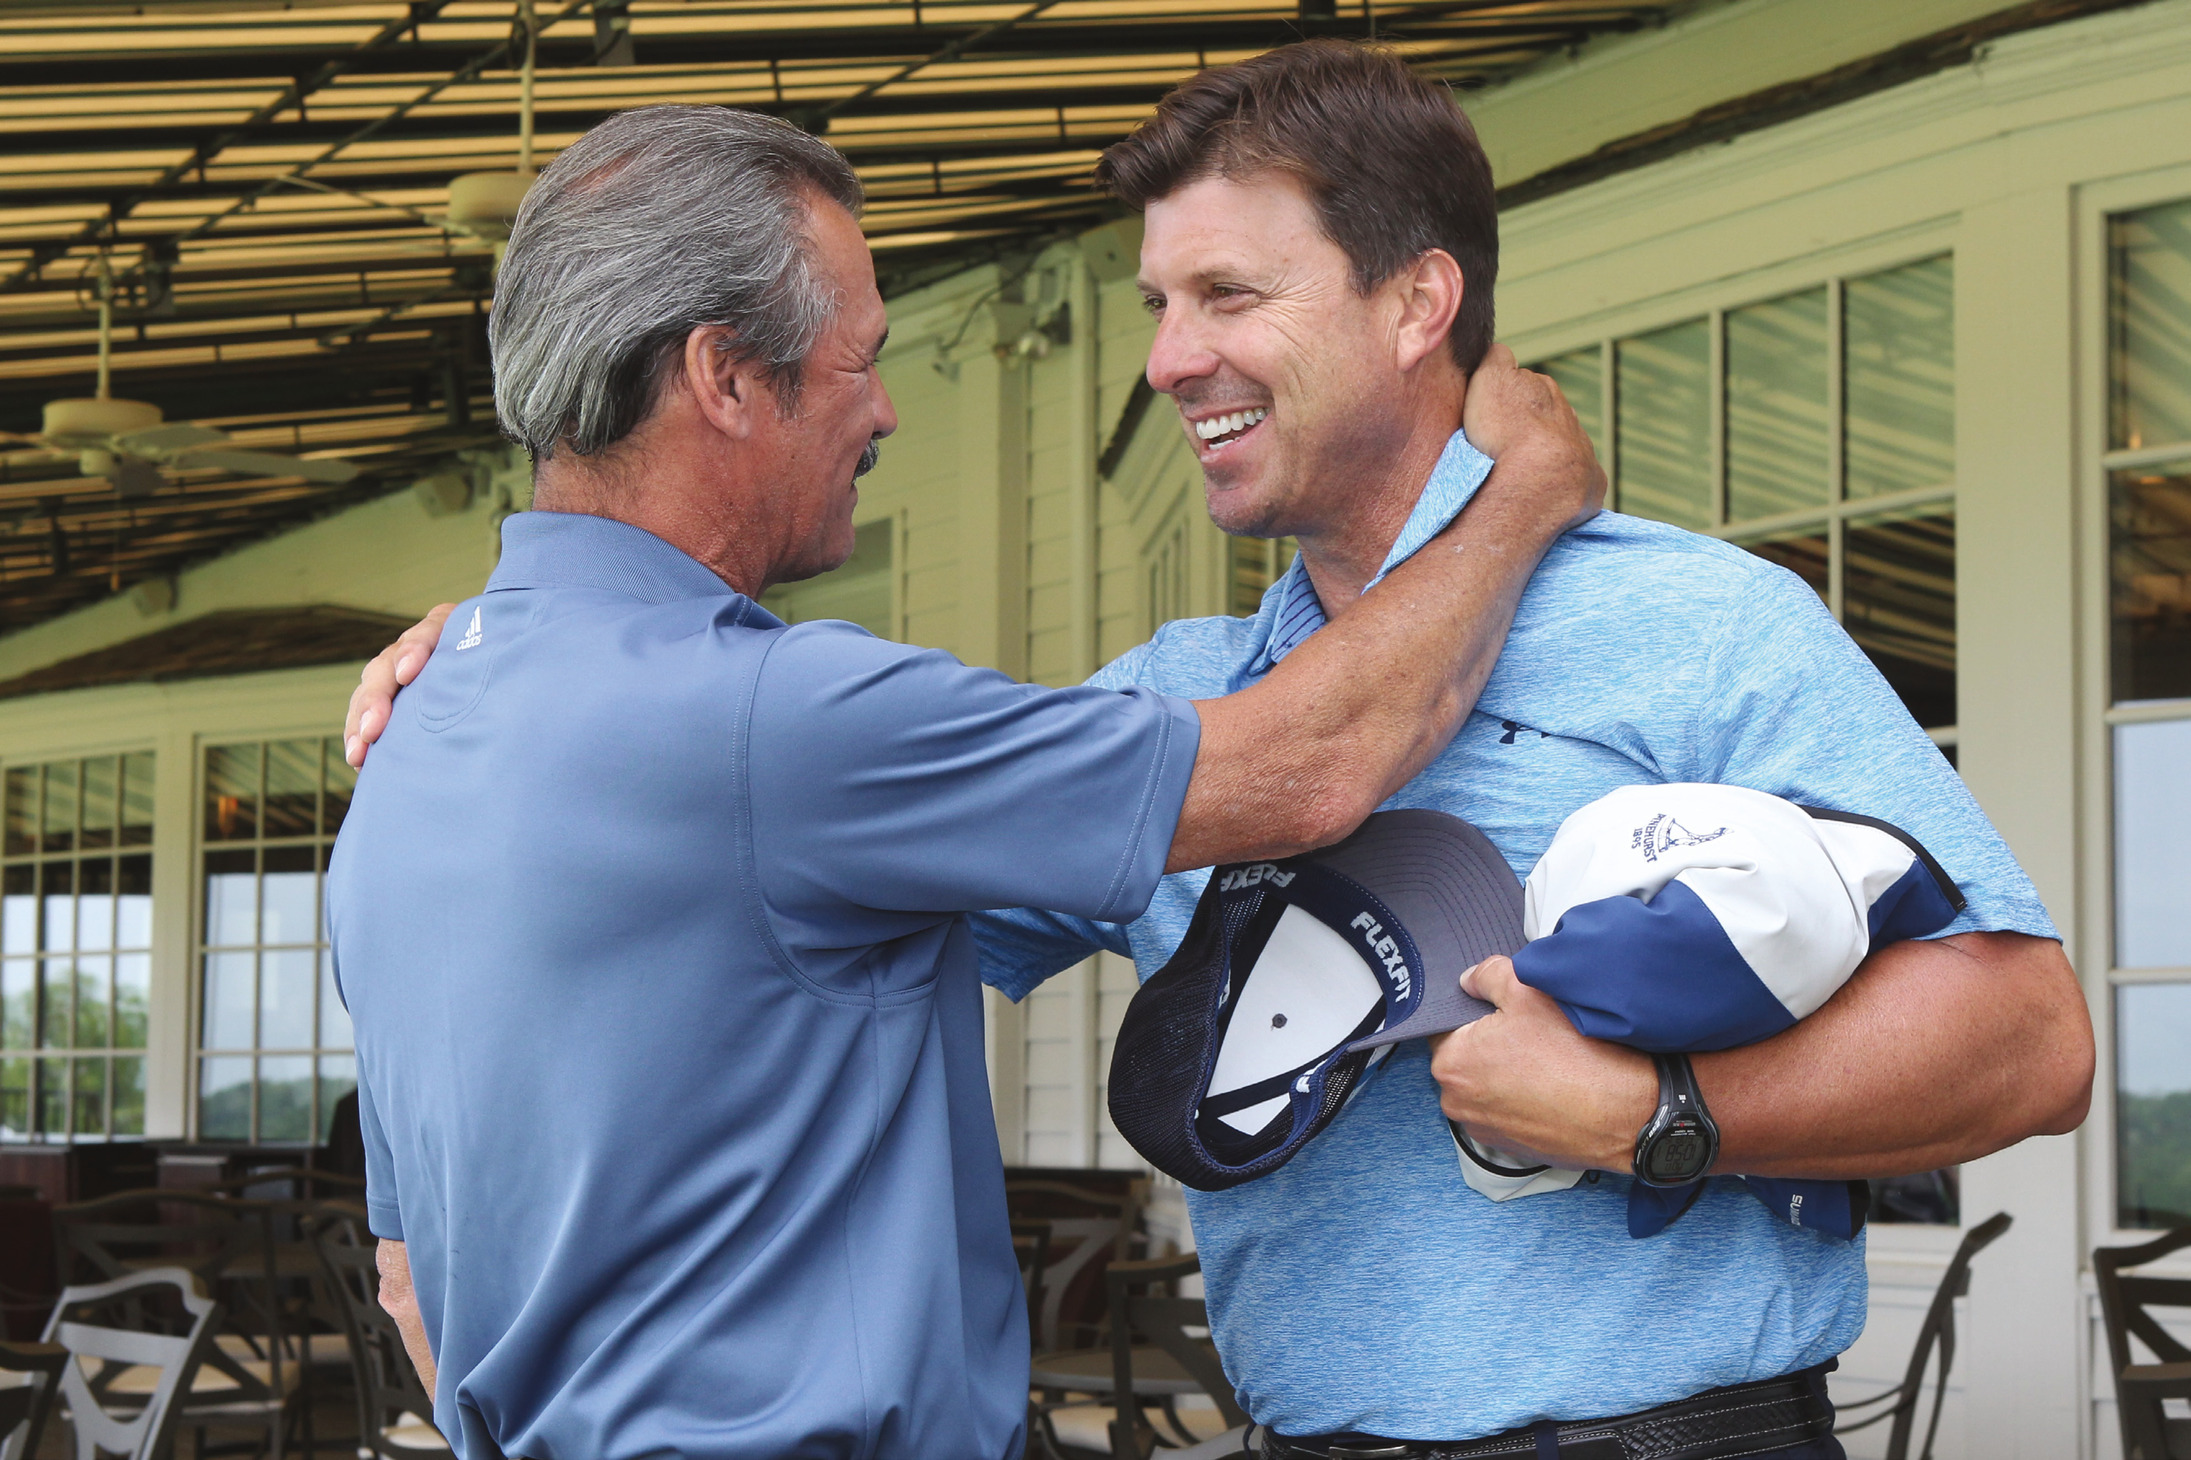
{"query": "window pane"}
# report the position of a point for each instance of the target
(231, 792)
(2153, 845)
(228, 1014)
(224, 1099)
(1581, 378)
(1898, 352)
(52, 1103)
(1663, 403)
(1776, 406)
(1898, 603)
(21, 837)
(289, 891)
(15, 1099)
(57, 881)
(133, 903)
(137, 799)
(341, 781)
(19, 910)
(2149, 565)
(285, 1098)
(99, 801)
(334, 1019)
(2150, 320)
(286, 980)
(129, 1097)
(1801, 553)
(95, 904)
(94, 986)
(292, 787)
(860, 592)
(338, 1077)
(55, 1003)
(132, 999)
(231, 899)
(18, 1003)
(88, 1085)
(61, 806)
(2153, 1104)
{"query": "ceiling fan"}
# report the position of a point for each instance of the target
(127, 442)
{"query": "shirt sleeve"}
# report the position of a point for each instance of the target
(1792, 706)
(1023, 946)
(383, 1213)
(900, 780)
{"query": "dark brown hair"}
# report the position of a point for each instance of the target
(1393, 168)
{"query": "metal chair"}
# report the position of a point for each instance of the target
(249, 1377)
(1147, 1329)
(1031, 1245)
(395, 1413)
(99, 1354)
(2149, 1433)
(24, 1407)
(1088, 1228)
(1900, 1403)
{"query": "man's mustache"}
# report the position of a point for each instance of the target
(868, 458)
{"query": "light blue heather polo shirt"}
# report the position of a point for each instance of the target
(1364, 1286)
(649, 916)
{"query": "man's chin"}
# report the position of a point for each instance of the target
(1241, 508)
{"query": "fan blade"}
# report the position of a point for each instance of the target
(175, 436)
(331, 469)
(134, 479)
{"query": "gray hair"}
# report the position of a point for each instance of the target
(657, 221)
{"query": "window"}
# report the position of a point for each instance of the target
(2149, 520)
(1256, 562)
(75, 947)
(864, 591)
(274, 1050)
(1816, 429)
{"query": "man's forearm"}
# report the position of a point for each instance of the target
(1297, 761)
(401, 1303)
(1934, 1053)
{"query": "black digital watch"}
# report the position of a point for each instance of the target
(1679, 1143)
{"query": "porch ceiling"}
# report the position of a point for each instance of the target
(265, 179)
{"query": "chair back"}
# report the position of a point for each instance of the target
(1935, 1334)
(24, 1407)
(227, 1243)
(390, 1394)
(2125, 1310)
(87, 1324)
(1141, 1314)
(1088, 1229)
(1031, 1245)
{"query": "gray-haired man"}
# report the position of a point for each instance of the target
(650, 911)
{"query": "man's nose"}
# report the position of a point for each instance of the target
(886, 411)
(1180, 353)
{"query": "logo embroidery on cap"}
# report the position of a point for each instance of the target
(471, 633)
(1662, 832)
(1373, 933)
(1240, 877)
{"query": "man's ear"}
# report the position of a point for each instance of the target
(728, 389)
(1430, 292)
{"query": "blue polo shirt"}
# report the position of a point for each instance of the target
(649, 915)
(1364, 1286)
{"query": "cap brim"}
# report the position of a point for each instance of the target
(1460, 901)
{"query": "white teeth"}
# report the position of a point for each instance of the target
(1229, 425)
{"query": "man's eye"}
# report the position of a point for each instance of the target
(1154, 303)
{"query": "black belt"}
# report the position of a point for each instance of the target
(1719, 1424)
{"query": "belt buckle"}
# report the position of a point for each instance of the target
(1373, 1450)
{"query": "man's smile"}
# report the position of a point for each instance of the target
(1215, 432)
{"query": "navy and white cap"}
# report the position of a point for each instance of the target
(1671, 918)
(1254, 1035)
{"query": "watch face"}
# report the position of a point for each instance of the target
(1677, 1154)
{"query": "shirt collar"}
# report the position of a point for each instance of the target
(572, 550)
(1460, 470)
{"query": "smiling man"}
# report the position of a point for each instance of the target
(650, 911)
(1320, 253)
